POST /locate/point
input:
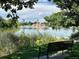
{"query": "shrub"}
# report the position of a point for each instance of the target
(7, 43)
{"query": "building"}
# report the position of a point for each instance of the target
(39, 25)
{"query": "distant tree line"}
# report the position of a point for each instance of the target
(10, 23)
(26, 23)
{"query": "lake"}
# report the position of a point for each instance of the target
(49, 31)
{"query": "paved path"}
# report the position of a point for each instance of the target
(58, 55)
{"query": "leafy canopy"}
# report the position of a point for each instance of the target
(6, 4)
(19, 4)
(69, 18)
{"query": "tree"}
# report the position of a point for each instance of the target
(68, 17)
(71, 9)
(19, 4)
(55, 20)
(71, 13)
(7, 5)
(1, 22)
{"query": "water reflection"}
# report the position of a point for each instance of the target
(52, 32)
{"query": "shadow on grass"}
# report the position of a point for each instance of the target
(27, 53)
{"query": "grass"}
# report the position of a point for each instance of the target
(27, 47)
(8, 29)
(22, 54)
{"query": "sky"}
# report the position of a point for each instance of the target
(41, 9)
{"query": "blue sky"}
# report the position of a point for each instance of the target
(41, 9)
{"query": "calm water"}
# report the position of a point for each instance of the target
(58, 33)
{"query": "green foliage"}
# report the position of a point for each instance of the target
(37, 40)
(71, 8)
(8, 43)
(23, 46)
(66, 4)
(56, 20)
(42, 40)
(11, 23)
(60, 20)
(26, 23)
(68, 17)
(7, 5)
(71, 14)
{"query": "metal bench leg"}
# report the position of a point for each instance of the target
(47, 55)
(39, 53)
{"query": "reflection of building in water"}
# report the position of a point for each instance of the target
(39, 25)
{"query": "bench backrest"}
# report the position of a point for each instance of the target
(57, 46)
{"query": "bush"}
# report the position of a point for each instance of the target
(23, 46)
(7, 44)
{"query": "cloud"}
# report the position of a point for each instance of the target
(39, 12)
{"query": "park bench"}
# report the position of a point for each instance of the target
(57, 46)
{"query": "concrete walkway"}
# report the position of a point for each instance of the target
(58, 55)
